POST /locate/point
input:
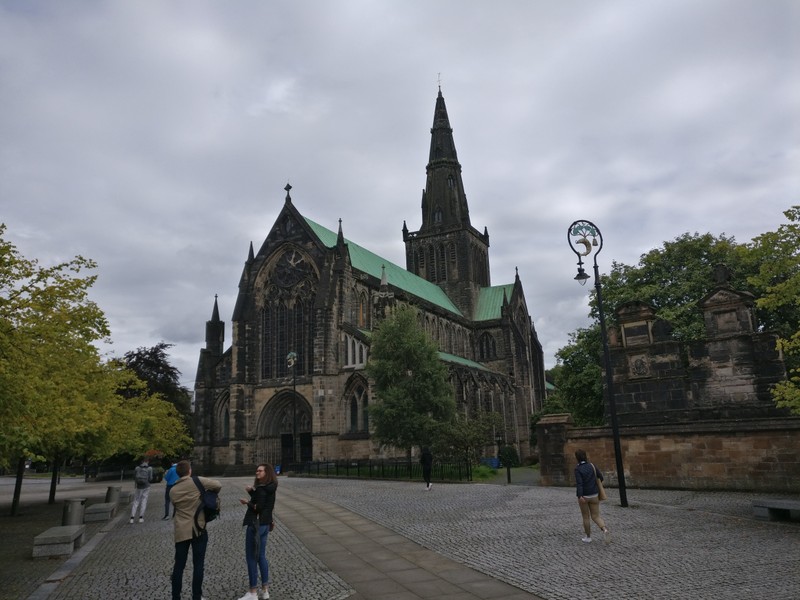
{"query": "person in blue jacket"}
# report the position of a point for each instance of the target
(586, 476)
(170, 478)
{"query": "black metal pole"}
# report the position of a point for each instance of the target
(581, 231)
(294, 414)
(612, 403)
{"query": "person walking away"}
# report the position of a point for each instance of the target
(426, 460)
(170, 478)
(142, 476)
(586, 476)
(258, 523)
(189, 533)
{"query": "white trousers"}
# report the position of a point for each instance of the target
(140, 501)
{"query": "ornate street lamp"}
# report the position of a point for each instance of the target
(291, 359)
(584, 238)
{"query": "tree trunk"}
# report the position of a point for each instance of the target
(18, 486)
(53, 481)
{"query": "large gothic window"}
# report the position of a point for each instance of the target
(287, 319)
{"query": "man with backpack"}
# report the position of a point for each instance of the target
(142, 476)
(190, 527)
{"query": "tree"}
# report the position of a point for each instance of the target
(776, 256)
(414, 399)
(152, 366)
(57, 396)
(464, 438)
(578, 379)
(49, 366)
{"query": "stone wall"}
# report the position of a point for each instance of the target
(759, 455)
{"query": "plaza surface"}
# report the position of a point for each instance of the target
(384, 540)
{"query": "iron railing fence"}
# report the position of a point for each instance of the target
(380, 469)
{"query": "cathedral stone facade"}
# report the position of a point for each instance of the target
(292, 388)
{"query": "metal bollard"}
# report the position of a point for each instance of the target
(112, 494)
(73, 511)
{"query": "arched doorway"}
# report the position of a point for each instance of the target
(283, 435)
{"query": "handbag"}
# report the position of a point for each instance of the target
(601, 491)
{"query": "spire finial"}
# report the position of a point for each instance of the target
(288, 188)
(440, 82)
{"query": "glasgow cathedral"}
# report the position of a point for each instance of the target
(291, 387)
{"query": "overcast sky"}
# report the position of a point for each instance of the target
(157, 137)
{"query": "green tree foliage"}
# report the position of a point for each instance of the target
(776, 258)
(414, 399)
(578, 379)
(152, 366)
(51, 388)
(672, 279)
(465, 438)
(58, 398)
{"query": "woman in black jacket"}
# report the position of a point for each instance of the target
(258, 521)
(587, 490)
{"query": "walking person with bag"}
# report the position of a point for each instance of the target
(588, 487)
(258, 524)
(190, 528)
(142, 476)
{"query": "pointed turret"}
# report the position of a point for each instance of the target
(215, 332)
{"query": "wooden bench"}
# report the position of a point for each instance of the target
(776, 509)
(59, 541)
(102, 511)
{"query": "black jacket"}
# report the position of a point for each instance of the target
(262, 502)
(585, 481)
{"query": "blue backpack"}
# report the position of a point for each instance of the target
(209, 503)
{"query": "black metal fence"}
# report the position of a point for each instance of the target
(380, 469)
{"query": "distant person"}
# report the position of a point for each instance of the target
(587, 490)
(189, 534)
(426, 460)
(258, 521)
(170, 478)
(142, 477)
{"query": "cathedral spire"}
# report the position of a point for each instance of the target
(444, 203)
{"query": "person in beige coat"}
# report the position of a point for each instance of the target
(186, 500)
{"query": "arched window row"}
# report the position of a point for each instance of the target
(355, 352)
(436, 262)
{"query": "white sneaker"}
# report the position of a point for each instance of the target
(586, 539)
(264, 594)
(141, 519)
(606, 536)
(131, 521)
(249, 596)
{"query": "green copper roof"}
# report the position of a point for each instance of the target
(370, 263)
(490, 301)
(460, 360)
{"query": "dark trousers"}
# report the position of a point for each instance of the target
(198, 546)
(166, 502)
(426, 474)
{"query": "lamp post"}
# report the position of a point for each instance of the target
(582, 237)
(291, 359)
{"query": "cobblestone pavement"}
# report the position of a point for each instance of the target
(667, 544)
